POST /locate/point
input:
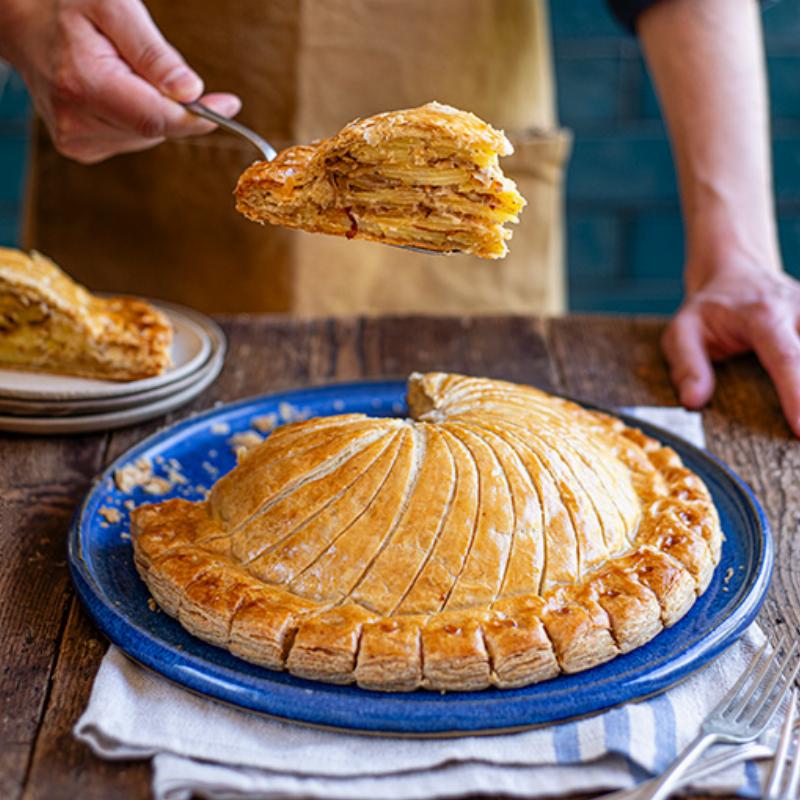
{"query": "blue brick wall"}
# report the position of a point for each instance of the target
(624, 231)
(14, 133)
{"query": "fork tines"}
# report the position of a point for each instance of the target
(755, 697)
(782, 757)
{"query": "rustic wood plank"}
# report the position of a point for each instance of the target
(60, 767)
(41, 481)
(513, 348)
(611, 361)
(746, 429)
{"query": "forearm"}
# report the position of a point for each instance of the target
(707, 61)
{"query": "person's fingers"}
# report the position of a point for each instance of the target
(95, 140)
(93, 151)
(96, 84)
(224, 103)
(103, 140)
(128, 25)
(777, 346)
(690, 367)
(92, 138)
(131, 104)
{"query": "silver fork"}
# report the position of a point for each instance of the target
(773, 790)
(716, 763)
(269, 152)
(741, 716)
(729, 757)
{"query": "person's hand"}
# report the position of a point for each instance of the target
(101, 75)
(735, 312)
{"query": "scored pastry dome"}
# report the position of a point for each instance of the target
(498, 536)
(427, 177)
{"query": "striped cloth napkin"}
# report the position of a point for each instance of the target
(201, 748)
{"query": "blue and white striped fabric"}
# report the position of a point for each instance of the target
(206, 749)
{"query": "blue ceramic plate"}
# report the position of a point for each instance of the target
(101, 562)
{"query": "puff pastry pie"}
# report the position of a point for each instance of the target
(497, 537)
(426, 177)
(49, 323)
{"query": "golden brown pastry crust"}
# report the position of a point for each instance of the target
(498, 536)
(49, 323)
(427, 177)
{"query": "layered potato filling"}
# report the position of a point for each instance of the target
(427, 177)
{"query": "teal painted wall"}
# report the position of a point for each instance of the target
(624, 234)
(14, 133)
(624, 231)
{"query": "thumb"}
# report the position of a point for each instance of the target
(130, 28)
(690, 367)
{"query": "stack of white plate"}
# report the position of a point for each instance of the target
(34, 402)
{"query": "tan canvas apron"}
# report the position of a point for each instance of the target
(162, 223)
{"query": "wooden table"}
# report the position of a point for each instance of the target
(51, 651)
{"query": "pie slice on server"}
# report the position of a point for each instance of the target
(425, 177)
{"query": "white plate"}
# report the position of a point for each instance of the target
(191, 347)
(67, 408)
(33, 408)
(113, 419)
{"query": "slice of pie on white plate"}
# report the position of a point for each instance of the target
(426, 177)
(50, 323)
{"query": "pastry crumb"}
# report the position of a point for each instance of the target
(130, 476)
(220, 428)
(157, 485)
(125, 535)
(140, 474)
(728, 575)
(243, 442)
(290, 413)
(174, 474)
(265, 423)
(129, 504)
(152, 605)
(210, 468)
(111, 515)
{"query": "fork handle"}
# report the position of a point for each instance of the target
(669, 781)
(200, 110)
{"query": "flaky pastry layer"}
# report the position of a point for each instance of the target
(497, 537)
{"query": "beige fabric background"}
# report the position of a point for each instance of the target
(162, 223)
